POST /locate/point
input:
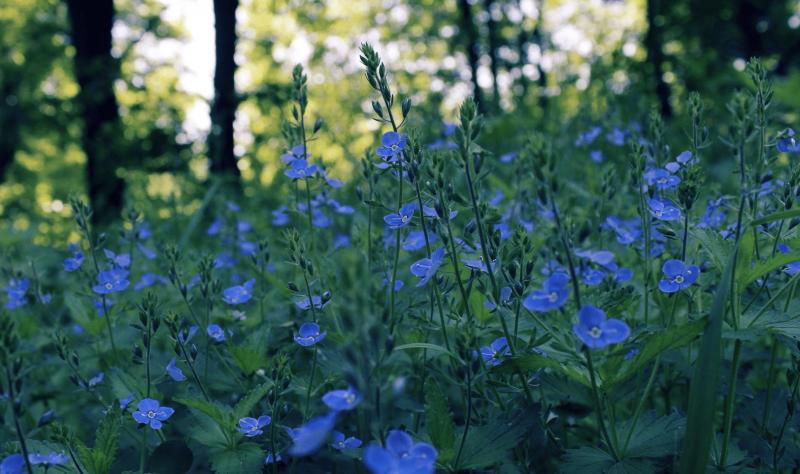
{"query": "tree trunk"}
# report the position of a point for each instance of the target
(96, 70)
(223, 109)
(473, 49)
(494, 45)
(655, 55)
(9, 124)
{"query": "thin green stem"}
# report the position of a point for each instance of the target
(612, 445)
(729, 402)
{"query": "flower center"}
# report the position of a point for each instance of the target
(658, 213)
(151, 414)
(404, 218)
(595, 332)
(678, 279)
(553, 297)
(109, 286)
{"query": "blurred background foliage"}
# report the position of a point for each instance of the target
(556, 65)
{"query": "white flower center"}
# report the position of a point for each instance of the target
(405, 218)
(151, 414)
(553, 297)
(109, 286)
(595, 332)
(678, 279)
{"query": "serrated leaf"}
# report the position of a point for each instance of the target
(440, 425)
(100, 459)
(221, 414)
(587, 460)
(245, 458)
(250, 400)
(247, 358)
(718, 250)
(771, 264)
(528, 362)
(489, 444)
(425, 345)
(654, 437)
(207, 432)
(657, 343)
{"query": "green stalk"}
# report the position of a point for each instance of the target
(730, 399)
(612, 445)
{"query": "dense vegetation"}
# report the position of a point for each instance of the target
(597, 279)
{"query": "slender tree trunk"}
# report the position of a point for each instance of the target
(223, 109)
(473, 49)
(655, 55)
(96, 70)
(9, 125)
(494, 45)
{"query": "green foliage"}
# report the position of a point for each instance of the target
(100, 458)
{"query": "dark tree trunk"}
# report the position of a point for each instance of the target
(655, 56)
(96, 70)
(493, 47)
(473, 49)
(9, 124)
(223, 109)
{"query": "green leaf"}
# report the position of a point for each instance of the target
(245, 458)
(207, 432)
(587, 460)
(247, 358)
(530, 362)
(718, 249)
(488, 445)
(655, 437)
(249, 401)
(705, 383)
(100, 459)
(92, 325)
(440, 425)
(744, 261)
(763, 268)
(219, 413)
(425, 345)
(657, 343)
(777, 216)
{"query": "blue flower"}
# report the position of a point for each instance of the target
(122, 260)
(174, 371)
(393, 144)
(13, 464)
(123, 404)
(279, 217)
(151, 413)
(661, 179)
(789, 143)
(426, 268)
(215, 332)
(271, 459)
(505, 297)
(296, 152)
(305, 303)
(149, 279)
(309, 334)
(300, 169)
(791, 268)
(479, 265)
(16, 290)
(596, 331)
(600, 257)
(508, 157)
(186, 336)
(664, 210)
(678, 276)
(50, 459)
(415, 240)
(251, 427)
(111, 281)
(552, 296)
(311, 436)
(588, 137)
(340, 442)
(494, 353)
(342, 400)
(714, 215)
(400, 456)
(596, 156)
(616, 137)
(627, 231)
(96, 379)
(74, 262)
(239, 294)
(402, 218)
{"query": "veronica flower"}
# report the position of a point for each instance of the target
(627, 231)
(271, 459)
(342, 400)
(151, 413)
(13, 464)
(596, 331)
(111, 281)
(340, 443)
(279, 217)
(300, 169)
(415, 240)
(714, 215)
(479, 265)
(123, 404)
(588, 137)
(16, 290)
(789, 143)
(494, 353)
(596, 156)
(311, 436)
(74, 262)
(552, 296)
(392, 144)
(47, 460)
(664, 210)
(678, 276)
(122, 260)
(400, 456)
(426, 268)
(309, 334)
(600, 257)
(149, 279)
(431, 213)
(661, 179)
(386, 280)
(402, 218)
(239, 294)
(616, 137)
(185, 337)
(252, 427)
(505, 298)
(215, 332)
(174, 371)
(305, 303)
(508, 157)
(295, 153)
(96, 379)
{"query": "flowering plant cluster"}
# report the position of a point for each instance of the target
(466, 304)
